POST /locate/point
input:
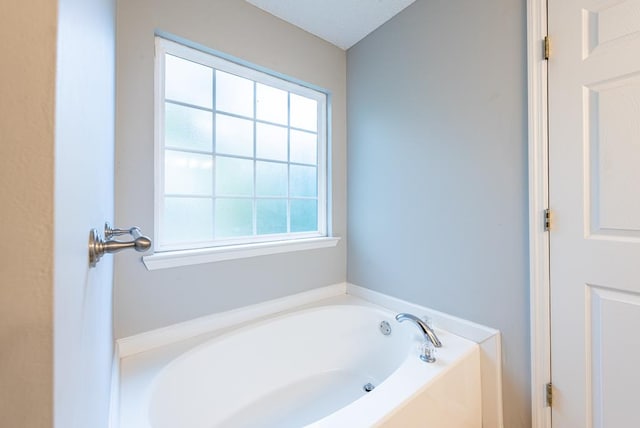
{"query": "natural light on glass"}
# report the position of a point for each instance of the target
(271, 104)
(271, 142)
(187, 128)
(188, 82)
(187, 220)
(187, 173)
(234, 94)
(240, 157)
(234, 136)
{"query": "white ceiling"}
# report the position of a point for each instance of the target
(341, 22)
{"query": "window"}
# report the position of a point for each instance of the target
(240, 154)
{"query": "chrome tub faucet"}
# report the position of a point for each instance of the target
(427, 331)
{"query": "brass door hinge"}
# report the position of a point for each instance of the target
(547, 220)
(548, 389)
(546, 47)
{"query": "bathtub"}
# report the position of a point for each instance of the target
(325, 366)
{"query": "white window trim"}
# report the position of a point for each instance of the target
(171, 259)
(172, 255)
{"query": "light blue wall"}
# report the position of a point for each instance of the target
(84, 199)
(437, 169)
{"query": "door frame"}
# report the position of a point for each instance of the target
(539, 283)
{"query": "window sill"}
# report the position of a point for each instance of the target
(170, 259)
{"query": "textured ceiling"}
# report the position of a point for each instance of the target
(341, 22)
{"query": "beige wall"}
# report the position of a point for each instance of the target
(146, 300)
(28, 34)
(56, 119)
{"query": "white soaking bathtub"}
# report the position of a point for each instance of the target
(311, 368)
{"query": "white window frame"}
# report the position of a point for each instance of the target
(170, 255)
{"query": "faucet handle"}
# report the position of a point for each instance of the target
(427, 352)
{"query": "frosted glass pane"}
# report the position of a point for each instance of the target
(187, 128)
(187, 220)
(272, 105)
(304, 113)
(271, 179)
(271, 216)
(303, 181)
(271, 142)
(234, 136)
(234, 217)
(234, 177)
(188, 82)
(187, 173)
(234, 94)
(304, 147)
(304, 215)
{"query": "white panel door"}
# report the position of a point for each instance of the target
(594, 174)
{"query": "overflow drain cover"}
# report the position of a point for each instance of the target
(368, 387)
(385, 328)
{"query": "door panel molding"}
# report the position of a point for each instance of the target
(538, 202)
(611, 362)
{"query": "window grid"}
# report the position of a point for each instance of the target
(320, 192)
(254, 207)
(214, 150)
(289, 163)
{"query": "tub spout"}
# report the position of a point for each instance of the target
(427, 331)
